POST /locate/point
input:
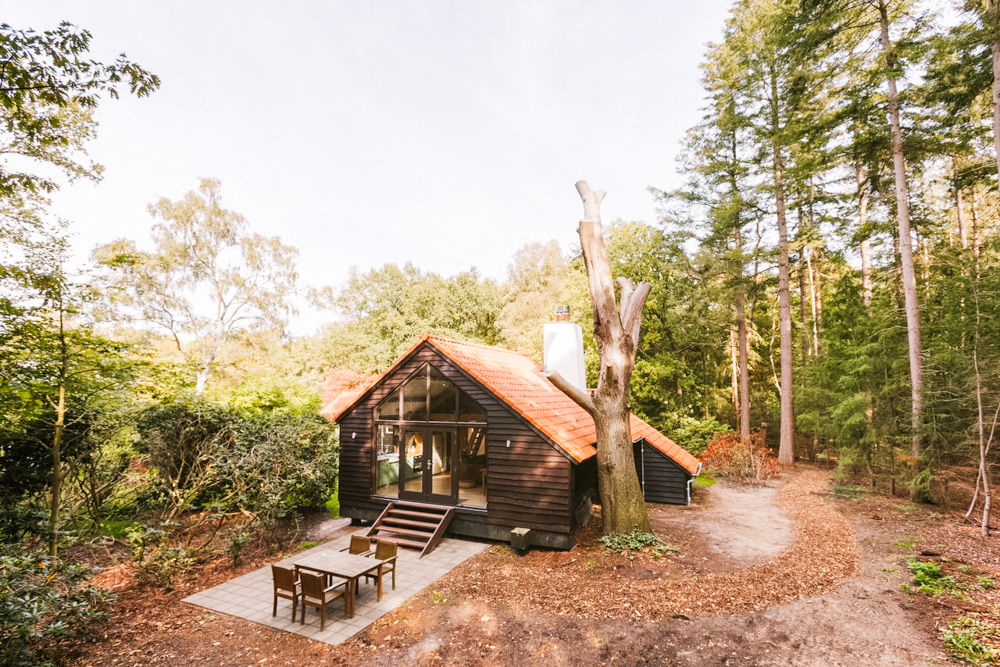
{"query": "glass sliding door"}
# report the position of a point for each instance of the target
(411, 465)
(439, 480)
(427, 466)
(430, 442)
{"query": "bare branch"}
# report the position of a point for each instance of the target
(632, 310)
(591, 201)
(579, 397)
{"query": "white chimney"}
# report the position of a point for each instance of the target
(563, 349)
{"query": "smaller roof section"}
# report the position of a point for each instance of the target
(342, 388)
(519, 382)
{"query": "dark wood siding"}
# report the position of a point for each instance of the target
(662, 480)
(528, 483)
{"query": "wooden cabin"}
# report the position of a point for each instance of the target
(481, 431)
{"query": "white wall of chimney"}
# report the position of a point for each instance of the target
(563, 352)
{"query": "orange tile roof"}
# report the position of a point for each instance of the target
(518, 381)
(342, 388)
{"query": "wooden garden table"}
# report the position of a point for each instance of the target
(345, 566)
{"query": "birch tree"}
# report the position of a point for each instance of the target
(208, 281)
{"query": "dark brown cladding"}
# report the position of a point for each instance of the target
(528, 482)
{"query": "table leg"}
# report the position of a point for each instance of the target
(352, 589)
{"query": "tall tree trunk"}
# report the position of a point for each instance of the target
(743, 345)
(983, 476)
(803, 300)
(813, 300)
(734, 372)
(963, 228)
(911, 306)
(812, 265)
(56, 476)
(994, 21)
(56, 479)
(974, 231)
(617, 332)
(201, 377)
(786, 446)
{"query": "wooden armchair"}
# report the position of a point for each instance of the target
(386, 552)
(287, 587)
(316, 594)
(361, 545)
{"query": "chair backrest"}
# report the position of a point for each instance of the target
(284, 578)
(385, 549)
(360, 544)
(312, 584)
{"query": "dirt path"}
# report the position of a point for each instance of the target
(728, 526)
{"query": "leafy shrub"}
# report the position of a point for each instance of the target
(931, 581)
(156, 561)
(42, 601)
(237, 540)
(749, 462)
(693, 434)
(635, 540)
(238, 460)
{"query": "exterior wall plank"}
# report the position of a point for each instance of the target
(663, 481)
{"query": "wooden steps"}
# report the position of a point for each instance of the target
(414, 525)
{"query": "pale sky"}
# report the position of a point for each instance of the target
(446, 133)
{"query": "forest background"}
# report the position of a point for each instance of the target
(788, 298)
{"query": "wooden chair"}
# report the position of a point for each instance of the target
(360, 545)
(285, 586)
(386, 552)
(316, 594)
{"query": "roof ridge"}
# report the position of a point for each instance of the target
(470, 343)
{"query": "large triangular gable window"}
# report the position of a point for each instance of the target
(431, 442)
(428, 395)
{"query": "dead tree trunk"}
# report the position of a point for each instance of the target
(617, 332)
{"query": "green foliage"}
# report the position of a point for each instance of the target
(267, 462)
(694, 434)
(965, 639)
(46, 72)
(930, 580)
(388, 308)
(156, 560)
(42, 601)
(706, 478)
(849, 491)
(208, 281)
(636, 540)
(237, 540)
(333, 507)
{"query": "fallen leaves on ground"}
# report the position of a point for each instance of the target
(823, 552)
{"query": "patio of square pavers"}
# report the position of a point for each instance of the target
(251, 596)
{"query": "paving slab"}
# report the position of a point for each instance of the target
(251, 595)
